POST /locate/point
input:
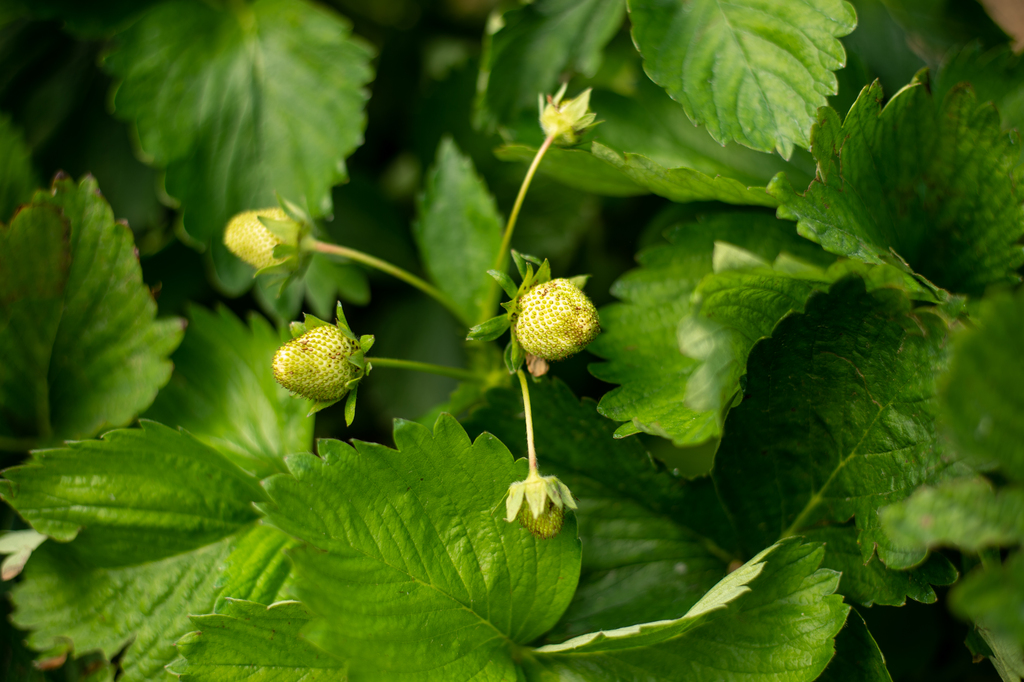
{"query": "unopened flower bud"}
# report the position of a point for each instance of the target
(567, 120)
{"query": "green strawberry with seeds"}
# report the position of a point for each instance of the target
(251, 240)
(556, 320)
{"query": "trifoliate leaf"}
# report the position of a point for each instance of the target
(655, 543)
(966, 513)
(926, 186)
(223, 392)
(639, 338)
(458, 231)
(858, 658)
(81, 346)
(869, 581)
(428, 552)
(748, 74)
(983, 396)
(153, 516)
(528, 48)
(994, 596)
(837, 419)
(776, 616)
(247, 640)
(17, 180)
(239, 103)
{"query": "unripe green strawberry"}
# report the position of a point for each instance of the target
(555, 320)
(545, 526)
(250, 240)
(315, 365)
(539, 503)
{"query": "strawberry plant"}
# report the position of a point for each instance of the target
(580, 340)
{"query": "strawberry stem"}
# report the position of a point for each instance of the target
(529, 423)
(393, 270)
(501, 262)
(428, 367)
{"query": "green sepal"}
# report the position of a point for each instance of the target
(543, 273)
(294, 211)
(505, 281)
(286, 230)
(520, 263)
(489, 330)
(358, 359)
(284, 251)
(366, 342)
(350, 406)
(580, 281)
(296, 329)
(343, 323)
(320, 405)
(312, 322)
(514, 356)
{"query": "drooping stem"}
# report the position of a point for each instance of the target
(501, 260)
(393, 270)
(530, 449)
(428, 367)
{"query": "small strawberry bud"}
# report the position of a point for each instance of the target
(250, 240)
(316, 365)
(546, 499)
(567, 120)
(555, 320)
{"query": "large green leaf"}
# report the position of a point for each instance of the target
(774, 617)
(458, 231)
(995, 74)
(528, 48)
(994, 596)
(858, 658)
(224, 393)
(154, 517)
(983, 396)
(17, 179)
(247, 641)
(81, 346)
(749, 71)
(240, 101)
(837, 419)
(682, 185)
(654, 543)
(869, 581)
(965, 513)
(408, 564)
(927, 187)
(639, 339)
(576, 168)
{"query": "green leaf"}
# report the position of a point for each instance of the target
(154, 517)
(224, 393)
(837, 419)
(528, 48)
(774, 617)
(965, 513)
(18, 546)
(655, 543)
(428, 551)
(17, 180)
(248, 640)
(858, 658)
(928, 188)
(639, 338)
(239, 102)
(682, 185)
(81, 346)
(748, 73)
(994, 596)
(995, 74)
(983, 398)
(869, 581)
(144, 493)
(458, 230)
